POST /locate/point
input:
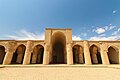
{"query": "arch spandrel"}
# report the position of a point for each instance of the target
(10, 46)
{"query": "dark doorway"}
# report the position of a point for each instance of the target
(18, 56)
(58, 53)
(40, 56)
(37, 55)
(58, 48)
(78, 57)
(2, 54)
(113, 55)
(95, 55)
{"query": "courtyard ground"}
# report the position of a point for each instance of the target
(60, 72)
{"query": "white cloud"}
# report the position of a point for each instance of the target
(102, 35)
(114, 11)
(83, 34)
(116, 32)
(118, 29)
(100, 30)
(115, 35)
(106, 27)
(76, 37)
(97, 38)
(93, 30)
(25, 35)
(112, 27)
(103, 29)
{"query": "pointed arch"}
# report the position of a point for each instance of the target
(95, 54)
(18, 56)
(113, 55)
(37, 55)
(2, 53)
(78, 57)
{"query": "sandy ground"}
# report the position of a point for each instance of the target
(60, 72)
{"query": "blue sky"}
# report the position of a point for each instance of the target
(89, 19)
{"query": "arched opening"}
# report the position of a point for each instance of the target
(78, 56)
(113, 55)
(18, 56)
(2, 54)
(95, 55)
(58, 55)
(37, 55)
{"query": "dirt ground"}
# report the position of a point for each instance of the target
(60, 72)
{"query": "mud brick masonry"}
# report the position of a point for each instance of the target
(59, 48)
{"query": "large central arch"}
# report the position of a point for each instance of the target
(58, 48)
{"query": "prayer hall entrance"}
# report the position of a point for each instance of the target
(58, 48)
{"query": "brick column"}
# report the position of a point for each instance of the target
(69, 54)
(87, 53)
(46, 54)
(28, 52)
(9, 53)
(8, 57)
(104, 55)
